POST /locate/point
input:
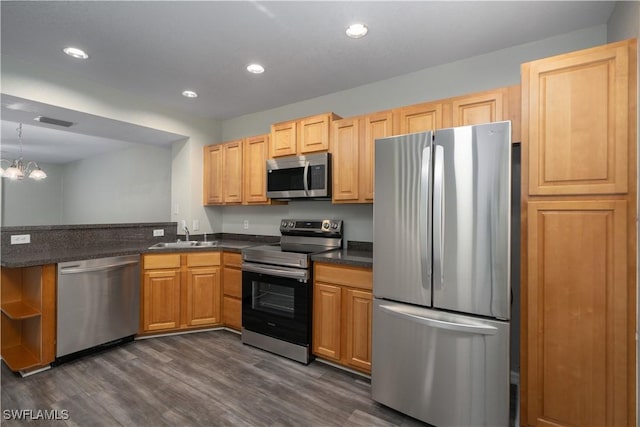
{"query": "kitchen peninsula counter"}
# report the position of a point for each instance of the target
(56, 244)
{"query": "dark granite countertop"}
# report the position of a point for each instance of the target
(353, 257)
(54, 256)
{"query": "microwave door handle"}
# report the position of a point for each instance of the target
(305, 178)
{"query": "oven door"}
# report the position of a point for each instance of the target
(277, 306)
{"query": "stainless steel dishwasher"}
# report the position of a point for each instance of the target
(98, 302)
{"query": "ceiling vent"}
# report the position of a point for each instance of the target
(56, 122)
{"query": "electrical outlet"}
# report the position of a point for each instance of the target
(158, 233)
(195, 224)
(245, 224)
(183, 223)
(176, 209)
(20, 239)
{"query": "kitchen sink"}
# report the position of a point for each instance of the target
(186, 244)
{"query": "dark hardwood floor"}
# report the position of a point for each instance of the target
(201, 379)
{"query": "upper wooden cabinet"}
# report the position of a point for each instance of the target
(235, 172)
(352, 148)
(232, 172)
(577, 114)
(212, 172)
(479, 108)
(472, 109)
(301, 136)
(256, 153)
(222, 172)
(418, 118)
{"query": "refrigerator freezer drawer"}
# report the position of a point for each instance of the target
(442, 368)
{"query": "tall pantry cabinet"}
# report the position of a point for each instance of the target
(579, 179)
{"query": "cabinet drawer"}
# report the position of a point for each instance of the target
(155, 261)
(203, 259)
(232, 259)
(232, 282)
(354, 277)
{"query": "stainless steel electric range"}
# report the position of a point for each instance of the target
(277, 287)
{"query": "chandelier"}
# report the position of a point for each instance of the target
(18, 168)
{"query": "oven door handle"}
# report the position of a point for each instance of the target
(302, 275)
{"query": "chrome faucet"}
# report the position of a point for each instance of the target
(186, 232)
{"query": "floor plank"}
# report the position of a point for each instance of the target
(202, 379)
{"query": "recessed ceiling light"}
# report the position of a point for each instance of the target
(75, 52)
(255, 68)
(355, 31)
(189, 94)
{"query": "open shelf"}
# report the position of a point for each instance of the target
(19, 358)
(18, 310)
(27, 316)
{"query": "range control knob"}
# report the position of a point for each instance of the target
(334, 225)
(290, 224)
(325, 226)
(283, 224)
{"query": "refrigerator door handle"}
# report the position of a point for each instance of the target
(477, 329)
(425, 208)
(438, 216)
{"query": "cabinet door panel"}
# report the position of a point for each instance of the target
(232, 161)
(419, 118)
(326, 320)
(578, 117)
(314, 134)
(344, 148)
(232, 282)
(256, 152)
(358, 309)
(283, 139)
(378, 125)
(577, 313)
(213, 175)
(474, 110)
(203, 296)
(161, 298)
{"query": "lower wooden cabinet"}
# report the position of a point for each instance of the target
(342, 308)
(161, 299)
(180, 291)
(232, 290)
(203, 296)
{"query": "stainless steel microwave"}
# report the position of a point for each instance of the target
(297, 177)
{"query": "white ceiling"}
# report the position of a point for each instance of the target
(155, 50)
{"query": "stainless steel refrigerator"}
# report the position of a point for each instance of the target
(441, 275)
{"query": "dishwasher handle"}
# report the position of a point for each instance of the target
(77, 269)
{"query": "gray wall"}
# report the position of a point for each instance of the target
(131, 185)
(500, 68)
